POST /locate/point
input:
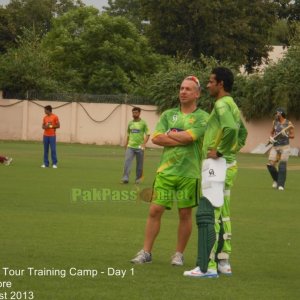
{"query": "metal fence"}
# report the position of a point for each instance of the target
(90, 98)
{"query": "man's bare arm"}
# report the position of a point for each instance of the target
(165, 141)
(181, 136)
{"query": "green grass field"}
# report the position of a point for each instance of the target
(50, 219)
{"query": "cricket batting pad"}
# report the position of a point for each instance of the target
(205, 219)
(281, 173)
(273, 171)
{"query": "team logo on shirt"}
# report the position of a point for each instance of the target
(175, 118)
(135, 130)
(192, 120)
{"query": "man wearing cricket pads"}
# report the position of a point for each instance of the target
(281, 133)
(180, 131)
(224, 137)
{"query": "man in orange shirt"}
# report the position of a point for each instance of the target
(50, 124)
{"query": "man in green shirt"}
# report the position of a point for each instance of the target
(180, 131)
(137, 137)
(224, 137)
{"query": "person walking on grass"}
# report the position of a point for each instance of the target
(137, 138)
(281, 133)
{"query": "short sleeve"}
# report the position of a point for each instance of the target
(199, 126)
(162, 125)
(146, 129)
(226, 117)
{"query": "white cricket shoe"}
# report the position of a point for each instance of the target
(142, 257)
(274, 185)
(281, 188)
(138, 181)
(177, 259)
(43, 166)
(224, 267)
(8, 161)
(54, 166)
(197, 273)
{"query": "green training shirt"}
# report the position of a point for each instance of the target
(182, 160)
(136, 132)
(225, 129)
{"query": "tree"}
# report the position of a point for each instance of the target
(280, 33)
(26, 68)
(7, 30)
(130, 9)
(288, 14)
(288, 9)
(277, 87)
(97, 53)
(163, 86)
(30, 14)
(295, 11)
(235, 31)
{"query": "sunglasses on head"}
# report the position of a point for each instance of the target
(193, 78)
